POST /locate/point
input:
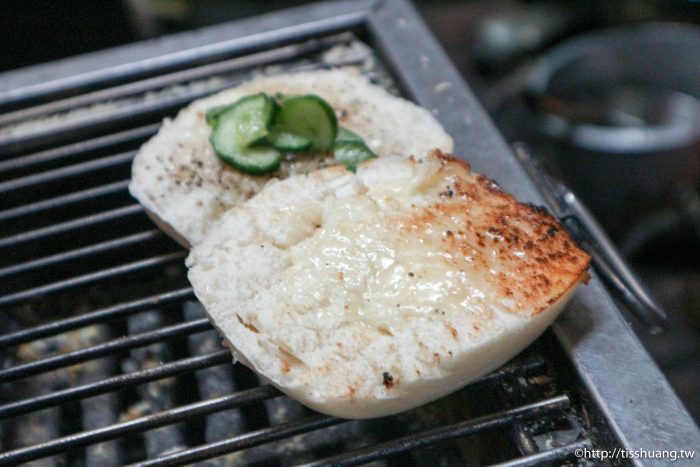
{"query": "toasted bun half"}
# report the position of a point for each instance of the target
(362, 295)
(185, 188)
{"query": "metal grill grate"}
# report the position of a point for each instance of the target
(106, 357)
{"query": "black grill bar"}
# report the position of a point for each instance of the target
(100, 350)
(77, 149)
(68, 171)
(149, 108)
(90, 250)
(246, 440)
(64, 200)
(113, 384)
(147, 422)
(97, 316)
(191, 364)
(73, 224)
(198, 73)
(469, 427)
(548, 457)
(88, 278)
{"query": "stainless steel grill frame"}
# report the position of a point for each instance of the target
(605, 378)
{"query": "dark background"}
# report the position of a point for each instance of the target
(35, 31)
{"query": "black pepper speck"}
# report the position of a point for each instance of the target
(388, 380)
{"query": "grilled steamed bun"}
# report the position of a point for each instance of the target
(362, 295)
(185, 188)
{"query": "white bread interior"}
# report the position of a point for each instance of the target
(184, 186)
(362, 295)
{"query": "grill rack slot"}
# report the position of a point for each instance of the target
(76, 150)
(108, 273)
(22, 176)
(144, 111)
(111, 75)
(80, 252)
(98, 316)
(65, 172)
(237, 64)
(65, 200)
(107, 348)
(115, 383)
(139, 424)
(81, 222)
(168, 369)
(465, 428)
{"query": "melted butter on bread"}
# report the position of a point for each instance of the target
(437, 241)
(419, 269)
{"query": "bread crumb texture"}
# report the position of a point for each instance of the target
(177, 176)
(365, 294)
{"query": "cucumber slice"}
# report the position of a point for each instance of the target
(212, 115)
(281, 97)
(352, 153)
(258, 160)
(311, 117)
(346, 135)
(286, 141)
(241, 124)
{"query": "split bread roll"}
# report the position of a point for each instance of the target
(185, 188)
(362, 295)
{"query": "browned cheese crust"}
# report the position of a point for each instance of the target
(533, 258)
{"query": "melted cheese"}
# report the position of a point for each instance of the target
(421, 270)
(383, 268)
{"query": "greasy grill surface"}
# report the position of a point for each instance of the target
(108, 359)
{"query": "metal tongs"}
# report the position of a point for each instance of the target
(611, 267)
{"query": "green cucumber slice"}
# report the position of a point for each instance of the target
(346, 135)
(241, 124)
(281, 97)
(213, 113)
(352, 153)
(311, 117)
(286, 141)
(258, 160)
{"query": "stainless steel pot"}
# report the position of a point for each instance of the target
(622, 107)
